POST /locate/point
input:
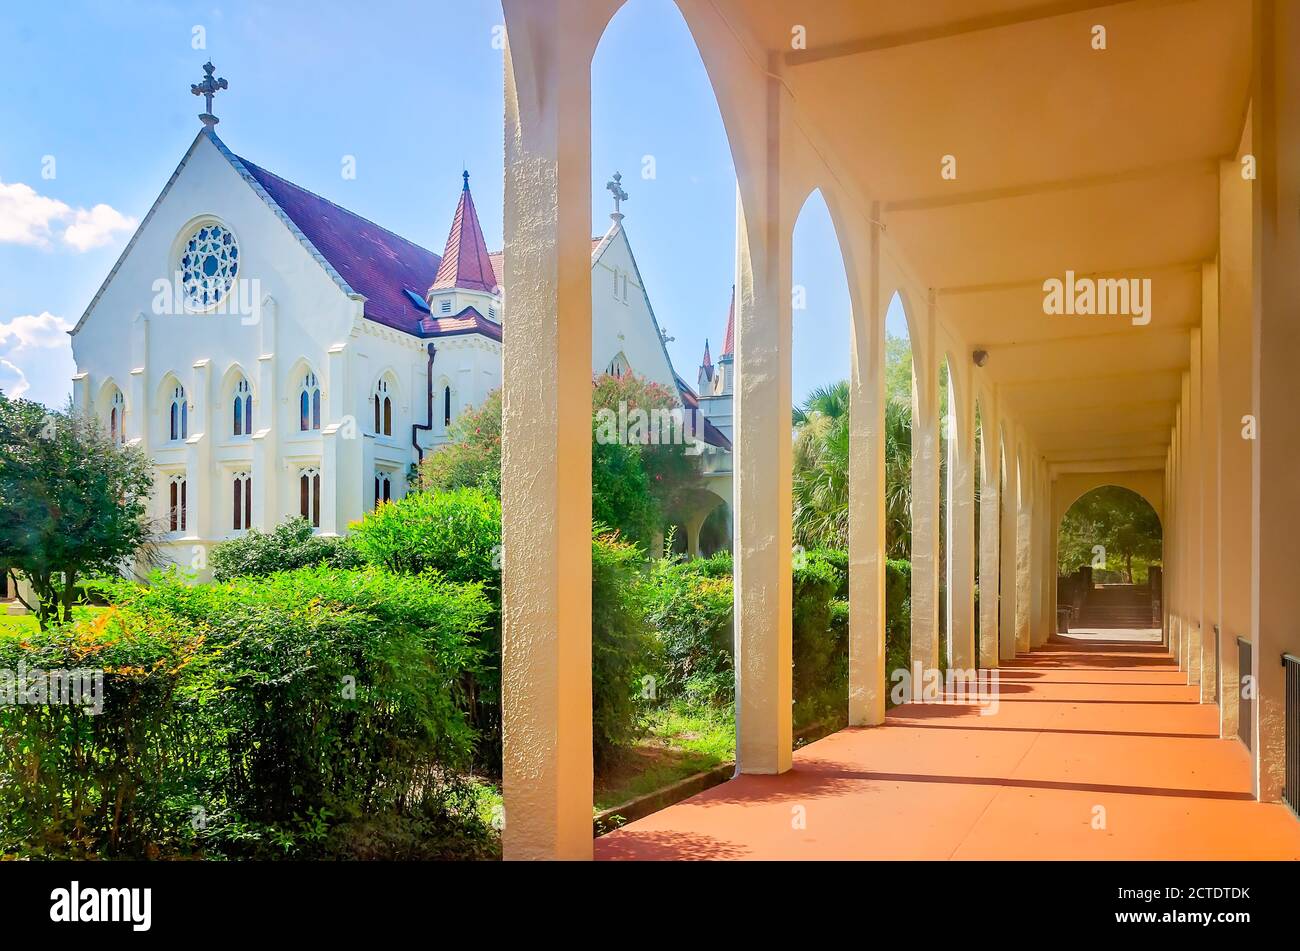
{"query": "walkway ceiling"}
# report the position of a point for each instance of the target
(1103, 163)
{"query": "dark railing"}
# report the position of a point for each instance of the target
(1291, 790)
(1245, 705)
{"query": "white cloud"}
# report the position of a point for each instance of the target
(29, 218)
(96, 228)
(36, 358)
(26, 217)
(31, 331)
(13, 381)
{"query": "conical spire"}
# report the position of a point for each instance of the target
(729, 342)
(465, 262)
(708, 360)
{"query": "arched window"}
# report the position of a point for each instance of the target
(117, 418)
(309, 403)
(180, 415)
(242, 409)
(242, 492)
(383, 409)
(177, 503)
(383, 487)
(446, 406)
(309, 495)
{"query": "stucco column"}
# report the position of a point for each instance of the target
(1008, 535)
(1275, 601)
(960, 489)
(1237, 399)
(546, 420)
(990, 532)
(867, 674)
(764, 689)
(1209, 464)
(1180, 531)
(1043, 558)
(1194, 547)
(1024, 550)
(925, 500)
(1036, 559)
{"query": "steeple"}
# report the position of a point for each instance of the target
(706, 368)
(466, 264)
(729, 342)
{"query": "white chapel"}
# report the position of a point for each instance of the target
(277, 355)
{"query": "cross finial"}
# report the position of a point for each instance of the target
(615, 188)
(465, 175)
(207, 89)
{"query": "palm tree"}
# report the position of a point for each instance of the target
(821, 461)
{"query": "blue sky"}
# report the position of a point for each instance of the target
(414, 92)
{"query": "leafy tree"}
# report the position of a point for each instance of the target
(635, 480)
(73, 502)
(472, 459)
(1116, 518)
(821, 460)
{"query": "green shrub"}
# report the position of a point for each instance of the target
(291, 544)
(689, 606)
(898, 617)
(264, 717)
(620, 644)
(457, 534)
(820, 654)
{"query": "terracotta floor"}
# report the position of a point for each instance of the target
(1083, 722)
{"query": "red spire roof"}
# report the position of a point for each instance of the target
(465, 263)
(708, 360)
(729, 344)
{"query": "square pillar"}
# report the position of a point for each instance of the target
(960, 490)
(1236, 402)
(990, 533)
(1024, 554)
(1194, 543)
(1211, 651)
(1008, 545)
(925, 499)
(1275, 595)
(867, 674)
(546, 437)
(763, 477)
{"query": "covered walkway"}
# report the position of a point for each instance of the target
(1087, 210)
(1100, 750)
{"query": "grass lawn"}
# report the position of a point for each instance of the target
(23, 625)
(679, 742)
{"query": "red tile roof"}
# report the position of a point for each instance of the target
(466, 263)
(468, 321)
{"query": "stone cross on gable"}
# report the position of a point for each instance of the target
(615, 187)
(207, 89)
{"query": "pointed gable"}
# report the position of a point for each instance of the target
(466, 263)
